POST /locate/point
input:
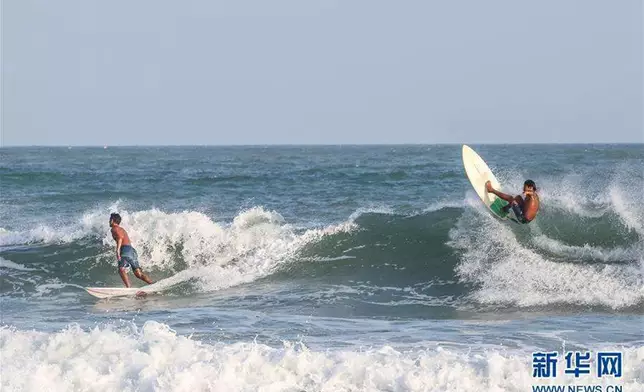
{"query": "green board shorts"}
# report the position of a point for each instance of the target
(500, 209)
(129, 258)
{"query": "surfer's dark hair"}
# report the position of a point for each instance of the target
(116, 218)
(531, 184)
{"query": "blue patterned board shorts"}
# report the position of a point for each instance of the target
(129, 258)
(518, 212)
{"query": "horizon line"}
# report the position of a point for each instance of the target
(316, 144)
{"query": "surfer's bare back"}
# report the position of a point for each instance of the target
(525, 207)
(125, 253)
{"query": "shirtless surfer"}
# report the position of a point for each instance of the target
(125, 253)
(525, 207)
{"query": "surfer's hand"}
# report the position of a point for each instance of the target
(488, 186)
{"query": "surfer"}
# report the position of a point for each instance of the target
(125, 253)
(525, 207)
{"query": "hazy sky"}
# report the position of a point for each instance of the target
(288, 72)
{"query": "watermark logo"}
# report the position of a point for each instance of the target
(609, 364)
(544, 364)
(577, 364)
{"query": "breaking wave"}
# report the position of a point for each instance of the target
(154, 357)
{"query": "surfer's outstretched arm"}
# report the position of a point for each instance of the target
(508, 198)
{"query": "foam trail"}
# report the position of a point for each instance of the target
(586, 252)
(117, 358)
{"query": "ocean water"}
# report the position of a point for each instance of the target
(329, 268)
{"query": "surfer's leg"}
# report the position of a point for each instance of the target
(133, 261)
(517, 200)
(123, 273)
(124, 267)
(502, 195)
(518, 212)
(141, 275)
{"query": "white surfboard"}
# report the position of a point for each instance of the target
(479, 173)
(107, 292)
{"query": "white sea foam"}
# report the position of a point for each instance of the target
(445, 204)
(382, 209)
(40, 234)
(617, 192)
(572, 194)
(155, 358)
(629, 208)
(507, 272)
(508, 268)
(8, 264)
(213, 255)
(587, 251)
(62, 233)
(216, 254)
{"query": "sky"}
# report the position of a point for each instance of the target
(157, 72)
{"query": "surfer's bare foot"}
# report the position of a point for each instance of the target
(141, 294)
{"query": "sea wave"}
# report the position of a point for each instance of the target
(554, 261)
(154, 357)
